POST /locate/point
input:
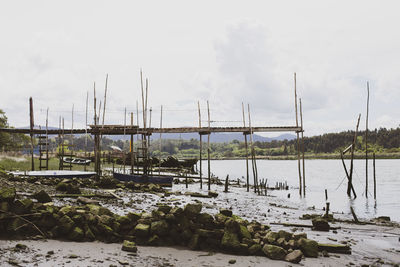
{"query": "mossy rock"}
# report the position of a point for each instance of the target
(164, 208)
(154, 241)
(205, 219)
(255, 249)
(134, 217)
(320, 224)
(194, 242)
(42, 197)
(230, 241)
(62, 186)
(159, 228)
(274, 252)
(271, 237)
(286, 235)
(142, 230)
(244, 233)
(129, 246)
(309, 247)
(226, 212)
(76, 234)
(22, 206)
(66, 224)
(232, 225)
(8, 194)
(192, 210)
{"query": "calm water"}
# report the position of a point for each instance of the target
(330, 175)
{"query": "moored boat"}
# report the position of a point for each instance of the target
(144, 179)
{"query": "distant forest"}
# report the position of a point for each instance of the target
(381, 141)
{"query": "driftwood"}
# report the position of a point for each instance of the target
(83, 195)
(334, 248)
(300, 225)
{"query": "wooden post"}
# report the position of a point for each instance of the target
(366, 144)
(86, 124)
(353, 147)
(326, 194)
(297, 133)
(47, 139)
(226, 184)
(131, 147)
(246, 148)
(31, 120)
(159, 160)
(302, 148)
(253, 158)
(327, 210)
(374, 175)
(105, 100)
(208, 148)
(201, 147)
(354, 215)
(186, 180)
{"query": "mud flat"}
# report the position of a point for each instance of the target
(375, 243)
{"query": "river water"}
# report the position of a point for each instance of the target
(330, 175)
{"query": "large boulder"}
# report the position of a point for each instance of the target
(309, 247)
(192, 210)
(194, 242)
(286, 235)
(159, 228)
(232, 225)
(244, 233)
(76, 234)
(255, 249)
(66, 224)
(271, 237)
(42, 197)
(294, 256)
(142, 230)
(230, 241)
(320, 224)
(274, 252)
(7, 194)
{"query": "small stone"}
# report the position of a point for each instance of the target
(294, 257)
(129, 246)
(21, 246)
(72, 256)
(320, 224)
(232, 261)
(42, 197)
(123, 262)
(193, 209)
(274, 252)
(212, 194)
(226, 212)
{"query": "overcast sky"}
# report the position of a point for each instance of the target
(227, 52)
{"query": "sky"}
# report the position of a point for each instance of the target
(224, 52)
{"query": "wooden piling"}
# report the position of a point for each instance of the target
(326, 194)
(86, 125)
(201, 147)
(31, 124)
(354, 215)
(373, 155)
(131, 147)
(226, 184)
(327, 210)
(159, 161)
(297, 133)
(208, 148)
(302, 149)
(366, 144)
(253, 156)
(246, 148)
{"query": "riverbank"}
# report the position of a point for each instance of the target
(370, 243)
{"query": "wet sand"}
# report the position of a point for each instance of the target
(371, 244)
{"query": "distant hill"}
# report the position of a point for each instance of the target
(214, 137)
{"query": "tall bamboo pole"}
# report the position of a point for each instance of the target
(253, 158)
(86, 123)
(302, 144)
(208, 148)
(373, 155)
(247, 152)
(131, 147)
(31, 133)
(297, 133)
(201, 147)
(159, 161)
(47, 139)
(366, 144)
(105, 100)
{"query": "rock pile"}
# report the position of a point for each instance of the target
(164, 226)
